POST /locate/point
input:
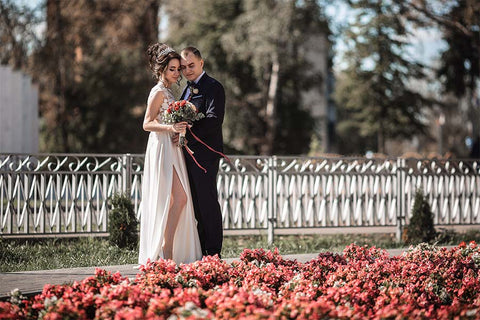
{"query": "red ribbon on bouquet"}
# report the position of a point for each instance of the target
(190, 152)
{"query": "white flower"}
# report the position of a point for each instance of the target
(50, 301)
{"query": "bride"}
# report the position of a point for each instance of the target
(168, 228)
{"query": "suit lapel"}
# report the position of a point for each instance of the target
(202, 90)
(202, 81)
(182, 97)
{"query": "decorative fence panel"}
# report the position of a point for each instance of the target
(243, 192)
(314, 192)
(452, 187)
(59, 194)
(65, 194)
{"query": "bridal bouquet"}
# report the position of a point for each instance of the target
(180, 111)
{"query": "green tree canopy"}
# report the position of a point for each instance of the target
(255, 49)
(373, 93)
(92, 74)
(459, 70)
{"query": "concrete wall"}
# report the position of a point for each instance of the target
(19, 119)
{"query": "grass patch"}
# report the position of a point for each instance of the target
(24, 255)
(296, 244)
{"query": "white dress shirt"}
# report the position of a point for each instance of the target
(187, 93)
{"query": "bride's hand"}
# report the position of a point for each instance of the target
(175, 137)
(180, 127)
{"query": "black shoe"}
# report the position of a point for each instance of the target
(214, 253)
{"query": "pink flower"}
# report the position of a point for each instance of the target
(363, 283)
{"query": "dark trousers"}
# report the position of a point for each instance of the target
(205, 201)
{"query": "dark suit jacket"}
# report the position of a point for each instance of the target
(210, 100)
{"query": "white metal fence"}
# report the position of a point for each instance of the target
(62, 194)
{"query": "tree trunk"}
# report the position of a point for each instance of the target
(150, 23)
(56, 42)
(17, 55)
(381, 138)
(271, 110)
(381, 59)
(474, 116)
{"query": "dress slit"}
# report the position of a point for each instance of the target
(180, 179)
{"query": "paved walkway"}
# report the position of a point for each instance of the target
(32, 282)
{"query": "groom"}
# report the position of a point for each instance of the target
(208, 95)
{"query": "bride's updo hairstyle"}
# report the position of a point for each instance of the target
(160, 55)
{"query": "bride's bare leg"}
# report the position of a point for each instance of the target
(177, 203)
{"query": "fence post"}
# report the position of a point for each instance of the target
(9, 210)
(272, 197)
(127, 174)
(400, 198)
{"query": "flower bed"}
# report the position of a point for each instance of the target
(362, 283)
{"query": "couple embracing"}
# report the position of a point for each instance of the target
(180, 214)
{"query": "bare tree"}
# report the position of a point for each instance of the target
(17, 33)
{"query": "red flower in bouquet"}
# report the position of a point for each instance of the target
(182, 111)
(179, 111)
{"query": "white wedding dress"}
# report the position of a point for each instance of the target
(161, 158)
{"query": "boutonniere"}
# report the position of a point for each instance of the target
(193, 87)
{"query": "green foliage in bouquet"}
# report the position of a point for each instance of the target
(122, 224)
(182, 110)
(421, 227)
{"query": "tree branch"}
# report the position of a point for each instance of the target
(437, 18)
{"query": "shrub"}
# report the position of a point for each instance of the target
(420, 228)
(122, 224)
